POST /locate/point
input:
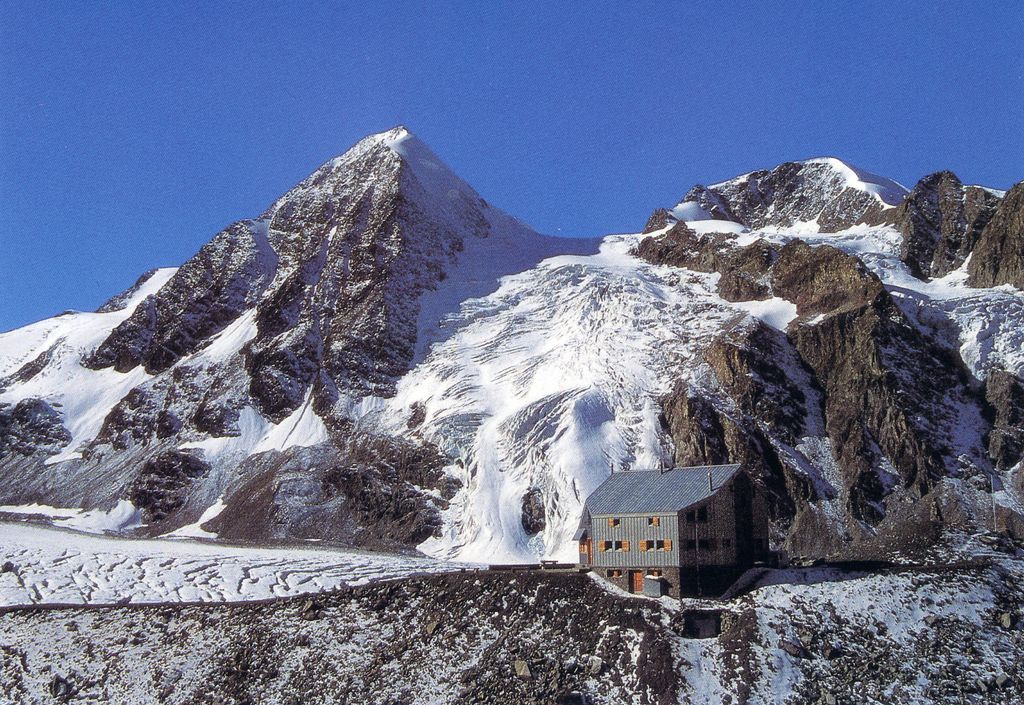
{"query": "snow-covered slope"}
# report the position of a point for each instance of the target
(382, 357)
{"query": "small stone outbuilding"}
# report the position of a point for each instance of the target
(684, 531)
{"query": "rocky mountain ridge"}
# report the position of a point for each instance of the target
(382, 358)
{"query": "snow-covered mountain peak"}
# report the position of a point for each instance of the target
(889, 192)
(823, 194)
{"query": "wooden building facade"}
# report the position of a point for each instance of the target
(679, 531)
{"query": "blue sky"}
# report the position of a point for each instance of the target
(131, 134)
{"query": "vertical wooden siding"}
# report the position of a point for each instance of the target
(634, 529)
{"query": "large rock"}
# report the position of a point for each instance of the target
(886, 386)
(31, 426)
(998, 257)
(1005, 396)
(162, 486)
(941, 220)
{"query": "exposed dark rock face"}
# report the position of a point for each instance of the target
(31, 368)
(885, 385)
(31, 426)
(206, 294)
(711, 202)
(658, 220)
(941, 220)
(367, 492)
(999, 254)
(162, 486)
(704, 435)
(853, 367)
(750, 363)
(744, 269)
(533, 517)
(795, 192)
(1005, 396)
(120, 301)
(745, 272)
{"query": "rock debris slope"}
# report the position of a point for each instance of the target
(383, 358)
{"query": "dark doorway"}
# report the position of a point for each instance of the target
(743, 495)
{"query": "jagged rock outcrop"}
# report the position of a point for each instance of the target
(366, 490)
(162, 486)
(998, 257)
(885, 384)
(31, 426)
(744, 269)
(532, 515)
(827, 191)
(705, 435)
(658, 220)
(941, 221)
(1004, 394)
(206, 294)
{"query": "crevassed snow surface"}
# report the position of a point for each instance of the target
(551, 382)
(61, 567)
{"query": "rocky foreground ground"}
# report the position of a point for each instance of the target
(815, 635)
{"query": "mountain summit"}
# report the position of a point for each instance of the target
(825, 191)
(383, 358)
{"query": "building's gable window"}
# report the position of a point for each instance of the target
(653, 521)
(614, 521)
(702, 515)
(691, 517)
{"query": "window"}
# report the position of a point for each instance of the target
(702, 515)
(691, 517)
(706, 544)
(653, 521)
(614, 573)
(656, 573)
(659, 545)
(614, 521)
(691, 545)
(615, 545)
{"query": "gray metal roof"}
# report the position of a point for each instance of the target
(649, 491)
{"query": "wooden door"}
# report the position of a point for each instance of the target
(636, 581)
